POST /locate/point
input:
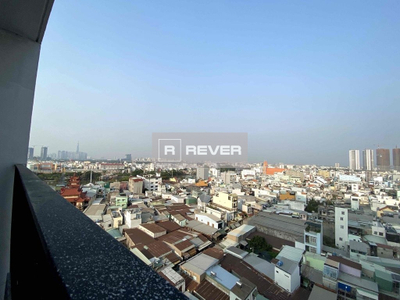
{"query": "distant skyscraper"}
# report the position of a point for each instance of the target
(354, 159)
(383, 159)
(31, 151)
(77, 148)
(396, 158)
(265, 167)
(128, 157)
(43, 153)
(337, 165)
(368, 159)
(202, 173)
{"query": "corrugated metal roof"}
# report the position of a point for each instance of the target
(292, 253)
(222, 276)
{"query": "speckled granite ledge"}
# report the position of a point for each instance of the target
(90, 264)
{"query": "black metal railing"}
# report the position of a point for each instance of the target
(59, 253)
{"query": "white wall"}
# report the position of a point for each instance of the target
(287, 281)
(341, 227)
(295, 280)
(18, 66)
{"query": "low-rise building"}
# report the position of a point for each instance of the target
(173, 278)
(226, 200)
(179, 219)
(133, 217)
(210, 220)
(313, 237)
(152, 230)
(287, 269)
(239, 234)
(121, 201)
(197, 266)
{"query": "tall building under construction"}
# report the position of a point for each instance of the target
(383, 159)
(396, 158)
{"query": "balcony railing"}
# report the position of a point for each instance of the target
(59, 253)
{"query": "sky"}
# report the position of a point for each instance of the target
(307, 80)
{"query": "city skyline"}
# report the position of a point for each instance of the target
(306, 82)
(365, 159)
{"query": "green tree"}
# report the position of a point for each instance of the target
(258, 244)
(312, 206)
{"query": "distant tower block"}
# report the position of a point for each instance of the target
(265, 167)
(354, 159)
(396, 158)
(383, 159)
(368, 159)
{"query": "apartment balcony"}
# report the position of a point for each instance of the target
(311, 242)
(59, 253)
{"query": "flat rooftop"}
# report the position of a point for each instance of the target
(222, 276)
(241, 230)
(291, 253)
(281, 223)
(320, 293)
(200, 263)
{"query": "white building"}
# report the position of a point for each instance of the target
(287, 275)
(178, 198)
(355, 203)
(133, 217)
(214, 172)
(341, 227)
(313, 237)
(229, 177)
(210, 220)
(378, 229)
(152, 184)
(248, 174)
(354, 159)
(287, 269)
(368, 159)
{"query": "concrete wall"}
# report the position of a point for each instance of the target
(280, 234)
(349, 270)
(18, 67)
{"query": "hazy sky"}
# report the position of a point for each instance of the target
(307, 80)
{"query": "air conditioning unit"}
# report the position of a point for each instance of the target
(213, 273)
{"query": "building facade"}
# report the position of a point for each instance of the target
(229, 201)
(383, 159)
(396, 158)
(43, 153)
(368, 159)
(341, 227)
(354, 159)
(202, 173)
(30, 152)
(313, 235)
